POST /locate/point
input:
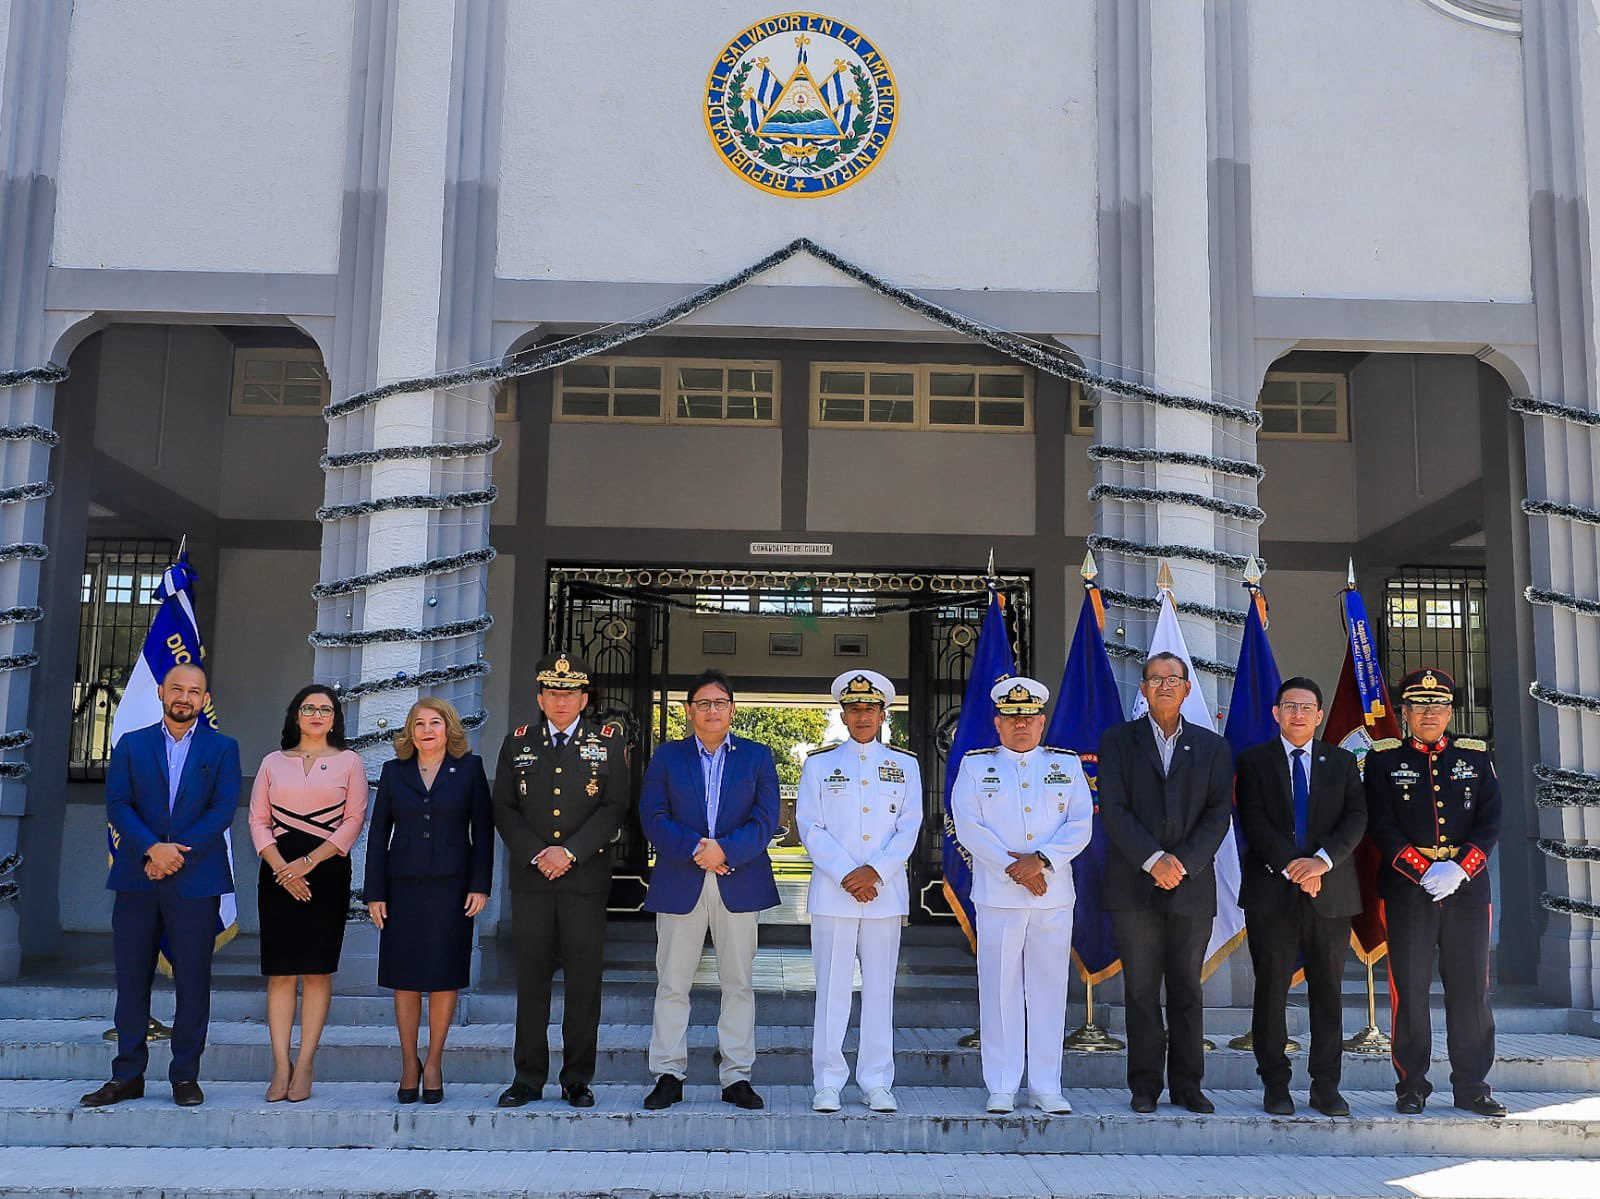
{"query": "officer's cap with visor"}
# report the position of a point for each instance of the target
(1019, 696)
(1426, 686)
(562, 671)
(863, 687)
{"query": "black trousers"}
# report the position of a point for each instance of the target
(1279, 934)
(551, 928)
(143, 925)
(1458, 936)
(1158, 947)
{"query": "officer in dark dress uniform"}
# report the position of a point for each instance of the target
(561, 791)
(1433, 806)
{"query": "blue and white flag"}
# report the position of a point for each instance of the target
(173, 639)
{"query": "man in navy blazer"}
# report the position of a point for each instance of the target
(709, 805)
(171, 793)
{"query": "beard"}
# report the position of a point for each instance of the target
(185, 715)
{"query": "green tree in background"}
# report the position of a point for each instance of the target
(779, 729)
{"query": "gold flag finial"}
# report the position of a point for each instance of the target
(1088, 570)
(1164, 577)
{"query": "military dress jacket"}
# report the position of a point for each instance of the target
(575, 797)
(859, 805)
(1034, 802)
(1430, 803)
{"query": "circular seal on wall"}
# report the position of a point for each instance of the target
(801, 105)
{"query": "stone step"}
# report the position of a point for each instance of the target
(229, 1173)
(481, 1053)
(931, 1120)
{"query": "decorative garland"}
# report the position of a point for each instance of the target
(393, 453)
(1138, 455)
(1189, 499)
(423, 678)
(433, 566)
(1568, 852)
(1529, 406)
(25, 615)
(1117, 649)
(1564, 699)
(16, 739)
(27, 491)
(1560, 788)
(394, 503)
(34, 374)
(1146, 603)
(18, 662)
(1144, 549)
(44, 436)
(1568, 906)
(1561, 599)
(18, 551)
(367, 740)
(9, 889)
(1574, 512)
(438, 632)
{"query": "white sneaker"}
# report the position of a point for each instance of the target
(1000, 1103)
(826, 1100)
(1053, 1105)
(880, 1099)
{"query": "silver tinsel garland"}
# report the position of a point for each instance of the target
(1562, 788)
(1188, 499)
(437, 632)
(18, 662)
(1225, 670)
(1568, 906)
(1144, 549)
(1146, 603)
(1561, 599)
(1141, 455)
(23, 551)
(1568, 852)
(1571, 413)
(412, 570)
(1564, 699)
(394, 503)
(397, 453)
(1573, 512)
(470, 720)
(33, 374)
(37, 433)
(27, 491)
(24, 615)
(423, 678)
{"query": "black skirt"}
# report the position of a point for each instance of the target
(426, 942)
(303, 938)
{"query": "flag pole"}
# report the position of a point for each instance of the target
(1371, 1039)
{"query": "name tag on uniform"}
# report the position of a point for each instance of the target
(837, 781)
(524, 759)
(888, 772)
(989, 783)
(1404, 775)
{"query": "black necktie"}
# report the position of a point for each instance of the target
(561, 741)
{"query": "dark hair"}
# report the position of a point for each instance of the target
(710, 677)
(1299, 683)
(1164, 656)
(291, 722)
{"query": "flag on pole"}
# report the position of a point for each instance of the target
(1359, 715)
(991, 661)
(174, 638)
(1087, 704)
(1227, 928)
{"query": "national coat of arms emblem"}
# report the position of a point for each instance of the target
(801, 105)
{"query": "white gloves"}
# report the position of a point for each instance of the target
(1442, 878)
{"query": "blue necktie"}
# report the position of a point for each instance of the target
(1302, 799)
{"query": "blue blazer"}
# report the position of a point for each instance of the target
(672, 809)
(417, 833)
(136, 806)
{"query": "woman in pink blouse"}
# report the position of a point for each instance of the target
(306, 811)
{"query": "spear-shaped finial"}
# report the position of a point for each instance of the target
(1088, 570)
(991, 562)
(1350, 576)
(1253, 571)
(183, 544)
(1164, 577)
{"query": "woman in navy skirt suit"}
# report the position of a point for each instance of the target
(430, 858)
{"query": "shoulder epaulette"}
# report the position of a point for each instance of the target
(522, 731)
(993, 749)
(1056, 749)
(1386, 743)
(1476, 743)
(895, 749)
(822, 749)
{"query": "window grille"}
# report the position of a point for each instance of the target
(1438, 616)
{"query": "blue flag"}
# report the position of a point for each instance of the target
(991, 662)
(1087, 704)
(1255, 686)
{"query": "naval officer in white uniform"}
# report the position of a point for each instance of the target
(859, 809)
(1023, 811)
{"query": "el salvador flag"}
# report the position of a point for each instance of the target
(174, 637)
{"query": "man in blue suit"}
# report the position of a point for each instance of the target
(171, 793)
(709, 805)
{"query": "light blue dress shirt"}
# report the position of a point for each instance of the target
(711, 764)
(177, 755)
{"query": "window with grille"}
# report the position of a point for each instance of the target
(927, 396)
(1304, 405)
(1438, 616)
(668, 391)
(115, 606)
(278, 381)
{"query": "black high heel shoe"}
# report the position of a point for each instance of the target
(435, 1094)
(410, 1094)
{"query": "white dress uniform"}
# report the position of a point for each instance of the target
(859, 805)
(1034, 802)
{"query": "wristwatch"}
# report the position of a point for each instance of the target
(1048, 864)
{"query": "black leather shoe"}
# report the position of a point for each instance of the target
(187, 1094)
(1142, 1103)
(578, 1096)
(411, 1094)
(516, 1095)
(114, 1091)
(1195, 1102)
(667, 1091)
(1482, 1105)
(1275, 1101)
(742, 1094)
(1409, 1104)
(433, 1094)
(1330, 1103)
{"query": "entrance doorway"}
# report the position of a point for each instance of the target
(782, 636)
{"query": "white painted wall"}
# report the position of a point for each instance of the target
(1388, 154)
(608, 171)
(204, 136)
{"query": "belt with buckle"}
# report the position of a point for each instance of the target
(1440, 853)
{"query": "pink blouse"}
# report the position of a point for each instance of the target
(330, 802)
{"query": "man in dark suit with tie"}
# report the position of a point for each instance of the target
(1302, 810)
(709, 805)
(1166, 792)
(171, 793)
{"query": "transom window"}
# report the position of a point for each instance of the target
(1313, 407)
(668, 391)
(925, 396)
(278, 381)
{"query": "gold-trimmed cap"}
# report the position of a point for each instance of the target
(1430, 685)
(562, 671)
(863, 687)
(1019, 696)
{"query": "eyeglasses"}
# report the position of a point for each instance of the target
(315, 710)
(1164, 682)
(1294, 709)
(711, 705)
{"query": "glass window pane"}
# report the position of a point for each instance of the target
(640, 378)
(1318, 394)
(952, 412)
(303, 372)
(701, 378)
(1007, 414)
(263, 369)
(579, 403)
(1086, 416)
(303, 395)
(944, 383)
(842, 410)
(585, 374)
(893, 412)
(894, 383)
(86, 589)
(259, 395)
(1279, 392)
(1319, 420)
(741, 380)
(699, 407)
(742, 408)
(850, 383)
(637, 404)
(763, 381)
(764, 408)
(1001, 386)
(1279, 420)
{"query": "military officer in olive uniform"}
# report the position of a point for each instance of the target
(859, 809)
(1433, 807)
(561, 791)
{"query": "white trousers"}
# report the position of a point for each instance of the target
(837, 943)
(1024, 955)
(680, 940)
